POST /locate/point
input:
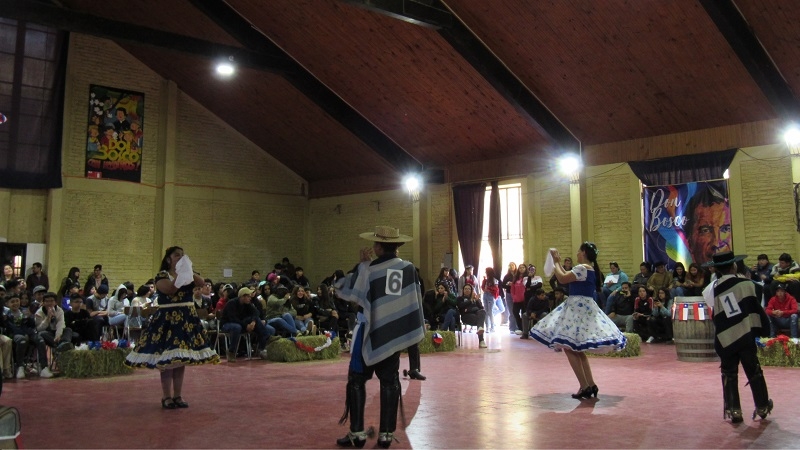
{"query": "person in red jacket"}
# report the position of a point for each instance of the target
(782, 312)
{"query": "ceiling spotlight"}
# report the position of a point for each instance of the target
(412, 183)
(226, 68)
(792, 138)
(569, 165)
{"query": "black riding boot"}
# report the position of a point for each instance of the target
(356, 399)
(390, 398)
(758, 385)
(730, 395)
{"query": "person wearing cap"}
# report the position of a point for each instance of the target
(782, 312)
(738, 320)
(240, 315)
(174, 338)
(38, 294)
(389, 320)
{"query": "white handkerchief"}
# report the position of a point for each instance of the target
(185, 274)
(549, 265)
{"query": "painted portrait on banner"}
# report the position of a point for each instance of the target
(114, 134)
(687, 222)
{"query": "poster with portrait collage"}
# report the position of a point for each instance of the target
(114, 134)
(687, 222)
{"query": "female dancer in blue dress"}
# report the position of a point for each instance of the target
(579, 325)
(175, 337)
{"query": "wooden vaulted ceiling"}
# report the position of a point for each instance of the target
(350, 97)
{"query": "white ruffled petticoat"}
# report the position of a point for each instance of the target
(579, 324)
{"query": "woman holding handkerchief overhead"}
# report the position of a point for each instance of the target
(175, 337)
(579, 325)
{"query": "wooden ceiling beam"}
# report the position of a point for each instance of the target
(249, 36)
(755, 58)
(435, 14)
(49, 15)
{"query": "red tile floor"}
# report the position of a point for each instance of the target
(515, 394)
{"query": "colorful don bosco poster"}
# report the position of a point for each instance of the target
(114, 134)
(687, 222)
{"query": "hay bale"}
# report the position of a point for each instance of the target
(633, 347)
(94, 363)
(448, 342)
(774, 355)
(285, 350)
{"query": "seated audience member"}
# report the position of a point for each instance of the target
(325, 311)
(282, 276)
(566, 263)
(642, 310)
(471, 310)
(67, 299)
(445, 309)
(786, 266)
(782, 312)
(762, 271)
(613, 280)
(659, 279)
(303, 310)
(32, 302)
(299, 278)
(201, 304)
(264, 290)
(678, 280)
(240, 316)
(255, 277)
(95, 280)
(38, 294)
(52, 328)
(536, 308)
(22, 330)
(37, 277)
(227, 292)
(116, 307)
(348, 312)
(621, 311)
(329, 281)
(659, 324)
(6, 351)
(280, 314)
(557, 297)
(643, 275)
(444, 278)
(695, 281)
(73, 278)
(80, 322)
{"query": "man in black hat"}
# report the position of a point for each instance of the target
(389, 320)
(738, 319)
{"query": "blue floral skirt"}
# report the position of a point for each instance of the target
(175, 337)
(579, 324)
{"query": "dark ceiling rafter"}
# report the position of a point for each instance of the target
(435, 14)
(755, 58)
(243, 31)
(47, 14)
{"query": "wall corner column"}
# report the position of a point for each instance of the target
(165, 172)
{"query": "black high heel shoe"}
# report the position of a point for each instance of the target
(583, 393)
(592, 391)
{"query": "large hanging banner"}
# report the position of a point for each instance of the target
(686, 222)
(114, 134)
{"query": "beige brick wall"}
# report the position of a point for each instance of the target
(235, 206)
(610, 205)
(23, 218)
(556, 224)
(442, 223)
(335, 223)
(767, 208)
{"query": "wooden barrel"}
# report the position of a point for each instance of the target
(694, 339)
